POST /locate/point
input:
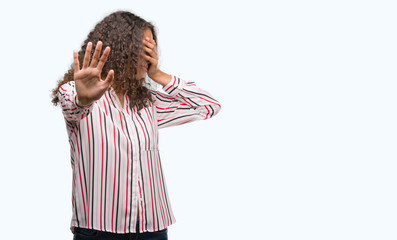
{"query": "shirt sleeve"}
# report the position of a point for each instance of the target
(183, 102)
(67, 99)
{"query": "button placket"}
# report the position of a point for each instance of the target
(136, 164)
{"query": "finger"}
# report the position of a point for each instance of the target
(151, 40)
(97, 52)
(151, 54)
(151, 60)
(87, 55)
(109, 78)
(149, 43)
(76, 62)
(103, 58)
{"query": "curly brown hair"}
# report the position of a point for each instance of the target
(122, 31)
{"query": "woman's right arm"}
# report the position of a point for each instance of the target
(76, 97)
(67, 99)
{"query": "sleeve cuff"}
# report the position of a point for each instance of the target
(174, 86)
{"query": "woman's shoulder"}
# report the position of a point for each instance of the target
(67, 85)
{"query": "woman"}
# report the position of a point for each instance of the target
(119, 187)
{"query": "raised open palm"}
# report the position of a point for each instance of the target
(89, 85)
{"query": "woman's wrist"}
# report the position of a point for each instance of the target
(82, 104)
(161, 78)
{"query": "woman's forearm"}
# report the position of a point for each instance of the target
(162, 78)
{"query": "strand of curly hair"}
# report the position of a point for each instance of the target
(122, 31)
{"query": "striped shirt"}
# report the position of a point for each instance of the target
(115, 158)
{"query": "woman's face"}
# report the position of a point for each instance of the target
(142, 63)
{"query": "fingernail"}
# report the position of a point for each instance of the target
(147, 38)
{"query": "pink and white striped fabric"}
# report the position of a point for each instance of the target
(115, 158)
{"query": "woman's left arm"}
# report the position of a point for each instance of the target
(183, 102)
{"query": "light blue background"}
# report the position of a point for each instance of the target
(303, 148)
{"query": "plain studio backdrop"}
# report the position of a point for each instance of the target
(303, 147)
